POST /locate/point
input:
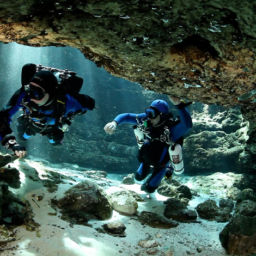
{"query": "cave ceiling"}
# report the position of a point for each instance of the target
(199, 50)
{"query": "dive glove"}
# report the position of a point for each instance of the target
(110, 127)
(10, 142)
(64, 127)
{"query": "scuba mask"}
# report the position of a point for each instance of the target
(151, 113)
(34, 92)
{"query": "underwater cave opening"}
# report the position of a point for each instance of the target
(217, 136)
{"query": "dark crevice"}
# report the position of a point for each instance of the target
(199, 42)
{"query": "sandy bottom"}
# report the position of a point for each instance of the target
(58, 238)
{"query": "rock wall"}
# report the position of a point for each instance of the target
(217, 141)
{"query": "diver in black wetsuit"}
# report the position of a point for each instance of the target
(47, 110)
(157, 134)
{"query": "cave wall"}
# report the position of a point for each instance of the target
(217, 141)
(203, 51)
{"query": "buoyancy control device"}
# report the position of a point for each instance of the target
(144, 131)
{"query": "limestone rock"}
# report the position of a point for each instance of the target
(246, 194)
(12, 209)
(210, 211)
(156, 221)
(218, 184)
(149, 243)
(6, 235)
(6, 159)
(10, 176)
(129, 179)
(246, 182)
(167, 190)
(180, 191)
(246, 208)
(226, 203)
(115, 228)
(239, 235)
(177, 210)
(184, 192)
(84, 201)
(123, 202)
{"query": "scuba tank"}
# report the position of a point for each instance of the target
(175, 152)
(139, 136)
(67, 79)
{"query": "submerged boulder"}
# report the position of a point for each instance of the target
(115, 228)
(246, 194)
(174, 189)
(210, 211)
(96, 174)
(239, 235)
(12, 210)
(10, 176)
(124, 202)
(156, 221)
(6, 159)
(129, 179)
(84, 201)
(207, 210)
(177, 209)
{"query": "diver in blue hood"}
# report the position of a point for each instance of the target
(47, 110)
(159, 136)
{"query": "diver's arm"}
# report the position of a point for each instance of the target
(86, 102)
(78, 104)
(128, 118)
(7, 139)
(125, 118)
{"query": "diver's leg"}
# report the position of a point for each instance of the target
(142, 172)
(159, 172)
(154, 180)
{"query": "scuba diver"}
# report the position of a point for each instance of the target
(160, 137)
(49, 104)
